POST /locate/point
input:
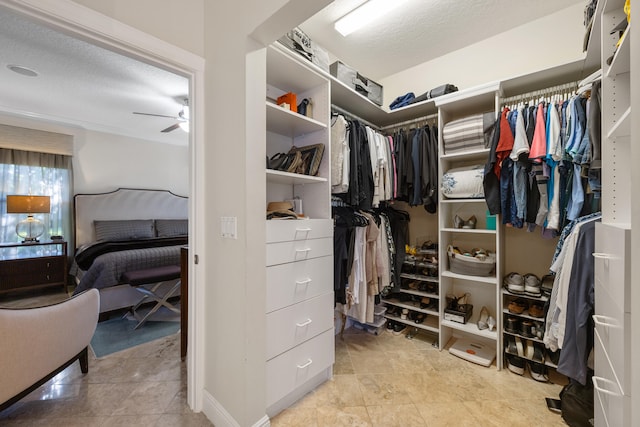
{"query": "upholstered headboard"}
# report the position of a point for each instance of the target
(124, 204)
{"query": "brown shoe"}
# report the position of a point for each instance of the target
(536, 309)
(517, 306)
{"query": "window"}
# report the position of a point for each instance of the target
(29, 172)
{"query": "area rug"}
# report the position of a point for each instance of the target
(115, 335)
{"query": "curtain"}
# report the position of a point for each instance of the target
(38, 174)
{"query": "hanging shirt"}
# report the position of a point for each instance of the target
(539, 143)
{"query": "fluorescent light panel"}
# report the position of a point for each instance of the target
(366, 13)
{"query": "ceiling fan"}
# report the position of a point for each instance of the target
(182, 118)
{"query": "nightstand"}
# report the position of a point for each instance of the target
(26, 266)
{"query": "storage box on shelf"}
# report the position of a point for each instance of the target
(463, 225)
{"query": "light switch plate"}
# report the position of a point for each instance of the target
(229, 227)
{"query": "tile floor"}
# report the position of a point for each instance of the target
(385, 380)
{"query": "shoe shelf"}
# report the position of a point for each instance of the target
(542, 298)
(430, 323)
(471, 328)
(534, 339)
(411, 307)
(419, 277)
(482, 279)
(525, 314)
(546, 361)
(468, 230)
(420, 293)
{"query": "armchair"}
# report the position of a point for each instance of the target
(40, 342)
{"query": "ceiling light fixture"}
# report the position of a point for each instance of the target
(23, 70)
(366, 13)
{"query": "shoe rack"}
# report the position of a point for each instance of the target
(523, 330)
(417, 303)
(481, 290)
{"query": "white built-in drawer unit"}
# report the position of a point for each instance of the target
(290, 230)
(612, 318)
(299, 306)
(293, 368)
(299, 250)
(297, 323)
(612, 408)
(293, 282)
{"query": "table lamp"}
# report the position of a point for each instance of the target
(30, 228)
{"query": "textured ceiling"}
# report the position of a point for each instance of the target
(83, 85)
(421, 30)
(89, 87)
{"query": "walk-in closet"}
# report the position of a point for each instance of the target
(477, 222)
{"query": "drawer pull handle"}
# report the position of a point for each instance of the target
(305, 323)
(303, 250)
(309, 362)
(603, 255)
(601, 389)
(606, 321)
(303, 282)
(303, 230)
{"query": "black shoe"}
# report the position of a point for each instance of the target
(398, 328)
(390, 324)
(512, 325)
(538, 371)
(515, 364)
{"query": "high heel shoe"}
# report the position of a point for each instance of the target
(471, 222)
(483, 320)
(458, 222)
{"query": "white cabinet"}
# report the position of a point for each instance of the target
(299, 253)
(612, 257)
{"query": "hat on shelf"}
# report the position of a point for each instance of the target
(281, 210)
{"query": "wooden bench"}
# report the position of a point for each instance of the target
(149, 282)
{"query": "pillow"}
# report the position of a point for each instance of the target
(172, 227)
(130, 229)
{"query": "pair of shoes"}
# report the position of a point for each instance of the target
(460, 223)
(517, 306)
(390, 324)
(405, 312)
(532, 285)
(514, 283)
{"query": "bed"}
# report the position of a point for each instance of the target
(124, 230)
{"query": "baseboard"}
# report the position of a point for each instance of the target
(219, 416)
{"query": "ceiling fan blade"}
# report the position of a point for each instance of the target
(155, 115)
(170, 128)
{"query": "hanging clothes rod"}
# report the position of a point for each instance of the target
(347, 114)
(411, 121)
(566, 87)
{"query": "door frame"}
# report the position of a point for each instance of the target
(95, 28)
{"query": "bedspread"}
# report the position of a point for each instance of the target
(106, 270)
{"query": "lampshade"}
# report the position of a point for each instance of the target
(28, 204)
(30, 228)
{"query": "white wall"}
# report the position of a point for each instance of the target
(105, 162)
(544, 43)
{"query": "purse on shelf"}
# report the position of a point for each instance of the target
(300, 160)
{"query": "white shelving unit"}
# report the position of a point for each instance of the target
(299, 309)
(482, 290)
